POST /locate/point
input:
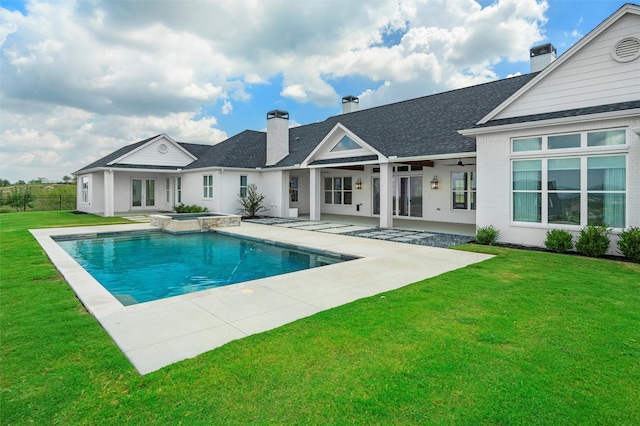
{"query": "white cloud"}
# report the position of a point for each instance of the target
(91, 76)
(227, 107)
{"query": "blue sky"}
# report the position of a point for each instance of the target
(79, 79)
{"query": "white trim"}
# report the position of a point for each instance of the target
(339, 128)
(143, 146)
(627, 113)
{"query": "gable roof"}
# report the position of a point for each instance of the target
(418, 127)
(627, 8)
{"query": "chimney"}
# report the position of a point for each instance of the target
(277, 136)
(350, 104)
(541, 56)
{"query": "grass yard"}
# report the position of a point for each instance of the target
(524, 338)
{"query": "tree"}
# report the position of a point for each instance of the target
(252, 202)
(4, 182)
(66, 179)
(20, 199)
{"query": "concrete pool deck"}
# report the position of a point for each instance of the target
(155, 334)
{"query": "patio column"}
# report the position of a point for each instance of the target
(108, 193)
(386, 195)
(314, 194)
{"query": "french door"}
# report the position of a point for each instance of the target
(143, 193)
(407, 196)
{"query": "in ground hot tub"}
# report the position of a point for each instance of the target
(185, 222)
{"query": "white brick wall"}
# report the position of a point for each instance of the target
(494, 179)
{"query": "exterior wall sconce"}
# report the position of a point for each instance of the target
(358, 183)
(435, 184)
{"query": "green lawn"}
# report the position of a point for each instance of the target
(524, 338)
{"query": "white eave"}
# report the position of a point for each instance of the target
(337, 128)
(551, 122)
(141, 147)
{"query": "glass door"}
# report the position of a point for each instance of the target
(406, 199)
(150, 193)
(136, 193)
(415, 200)
(409, 196)
(143, 193)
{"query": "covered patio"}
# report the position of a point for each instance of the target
(404, 224)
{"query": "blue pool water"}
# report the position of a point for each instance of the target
(141, 267)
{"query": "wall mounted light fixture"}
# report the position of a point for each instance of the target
(358, 183)
(435, 184)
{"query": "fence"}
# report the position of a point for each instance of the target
(43, 202)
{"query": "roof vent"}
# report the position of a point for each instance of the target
(626, 50)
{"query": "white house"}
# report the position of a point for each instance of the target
(556, 148)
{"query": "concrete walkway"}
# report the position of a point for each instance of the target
(155, 334)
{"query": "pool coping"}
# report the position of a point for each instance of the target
(155, 334)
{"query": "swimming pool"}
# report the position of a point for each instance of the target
(142, 267)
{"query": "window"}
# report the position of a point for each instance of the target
(243, 185)
(606, 184)
(293, 189)
(572, 140)
(85, 189)
(563, 185)
(337, 190)
(178, 190)
(527, 144)
(463, 185)
(564, 141)
(345, 144)
(207, 186)
(527, 190)
(582, 189)
(609, 137)
(168, 190)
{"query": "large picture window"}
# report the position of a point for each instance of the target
(338, 190)
(563, 185)
(578, 190)
(207, 186)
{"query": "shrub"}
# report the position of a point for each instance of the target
(193, 208)
(487, 235)
(252, 202)
(629, 243)
(559, 241)
(593, 240)
(20, 199)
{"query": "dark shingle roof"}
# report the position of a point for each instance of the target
(417, 127)
(562, 114)
(424, 126)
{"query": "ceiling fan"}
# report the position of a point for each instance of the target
(460, 163)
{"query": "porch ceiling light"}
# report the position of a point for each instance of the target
(435, 184)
